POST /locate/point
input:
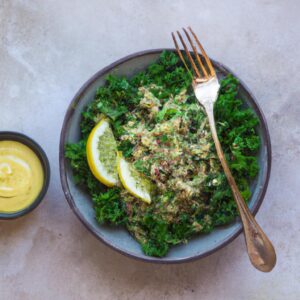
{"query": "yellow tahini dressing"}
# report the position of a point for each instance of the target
(21, 176)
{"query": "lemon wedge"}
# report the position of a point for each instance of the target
(101, 152)
(134, 182)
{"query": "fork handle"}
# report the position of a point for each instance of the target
(260, 249)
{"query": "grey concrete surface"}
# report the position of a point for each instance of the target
(49, 48)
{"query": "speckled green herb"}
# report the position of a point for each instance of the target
(108, 145)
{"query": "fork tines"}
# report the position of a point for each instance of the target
(202, 72)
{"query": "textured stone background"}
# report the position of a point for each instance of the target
(49, 48)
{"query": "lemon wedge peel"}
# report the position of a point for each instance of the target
(129, 182)
(98, 169)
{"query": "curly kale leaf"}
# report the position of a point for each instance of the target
(236, 130)
(76, 153)
(156, 242)
(109, 208)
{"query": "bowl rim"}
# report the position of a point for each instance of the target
(40, 153)
(63, 173)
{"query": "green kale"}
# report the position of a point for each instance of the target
(156, 243)
(76, 153)
(237, 134)
(167, 114)
(109, 208)
(126, 147)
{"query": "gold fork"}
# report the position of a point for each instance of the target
(206, 87)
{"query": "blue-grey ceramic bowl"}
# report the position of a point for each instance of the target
(118, 238)
(36, 148)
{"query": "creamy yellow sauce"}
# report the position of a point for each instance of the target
(21, 176)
